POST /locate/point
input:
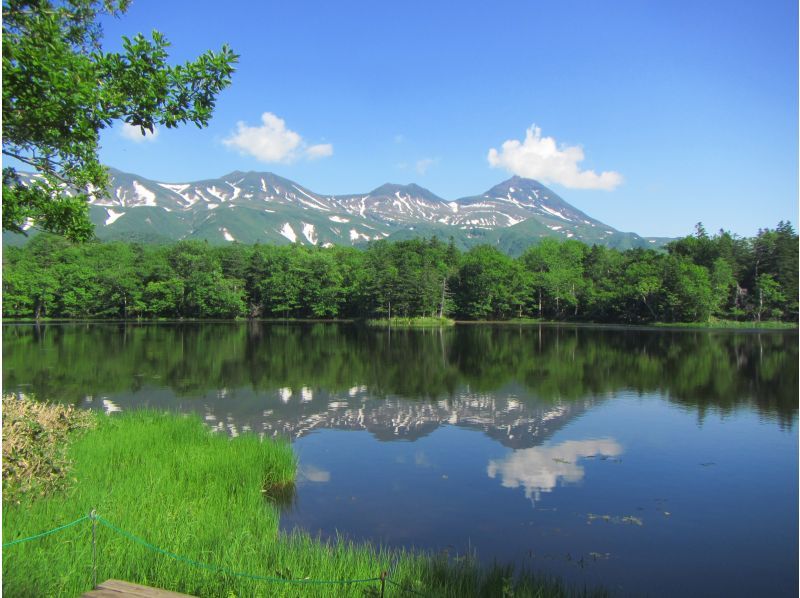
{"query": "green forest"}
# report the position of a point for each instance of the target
(697, 278)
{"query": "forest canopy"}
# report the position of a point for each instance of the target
(697, 278)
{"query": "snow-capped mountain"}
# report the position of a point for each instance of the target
(262, 207)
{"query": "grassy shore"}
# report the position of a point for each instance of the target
(427, 322)
(411, 322)
(170, 481)
(731, 324)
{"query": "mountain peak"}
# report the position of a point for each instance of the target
(520, 181)
(411, 189)
(517, 184)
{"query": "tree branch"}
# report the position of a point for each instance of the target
(38, 166)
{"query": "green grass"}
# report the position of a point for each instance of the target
(172, 482)
(735, 324)
(411, 322)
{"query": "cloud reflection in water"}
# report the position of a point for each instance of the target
(314, 474)
(540, 469)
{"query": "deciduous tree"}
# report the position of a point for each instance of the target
(60, 89)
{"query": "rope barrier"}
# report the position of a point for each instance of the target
(94, 517)
(47, 533)
(225, 570)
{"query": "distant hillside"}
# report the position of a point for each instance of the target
(251, 207)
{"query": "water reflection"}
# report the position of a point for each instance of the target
(541, 469)
(441, 439)
(309, 473)
(507, 416)
(719, 371)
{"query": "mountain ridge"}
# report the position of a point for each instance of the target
(253, 206)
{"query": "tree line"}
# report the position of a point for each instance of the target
(698, 277)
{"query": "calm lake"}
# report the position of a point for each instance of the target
(653, 462)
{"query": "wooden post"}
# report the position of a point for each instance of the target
(384, 575)
(93, 517)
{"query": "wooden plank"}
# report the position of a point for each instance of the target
(114, 588)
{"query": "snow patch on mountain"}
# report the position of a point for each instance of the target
(309, 233)
(203, 197)
(144, 194)
(288, 232)
(175, 188)
(318, 205)
(308, 204)
(181, 191)
(216, 192)
(355, 235)
(236, 190)
(555, 213)
(113, 216)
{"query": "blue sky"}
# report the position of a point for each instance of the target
(650, 116)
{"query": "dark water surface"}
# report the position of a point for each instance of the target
(653, 462)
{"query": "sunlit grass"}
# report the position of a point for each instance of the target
(412, 322)
(735, 324)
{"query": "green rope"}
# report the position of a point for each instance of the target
(47, 533)
(225, 570)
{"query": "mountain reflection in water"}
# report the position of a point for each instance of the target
(504, 416)
(309, 374)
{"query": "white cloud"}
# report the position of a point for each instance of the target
(134, 133)
(541, 158)
(424, 164)
(273, 142)
(321, 150)
(540, 469)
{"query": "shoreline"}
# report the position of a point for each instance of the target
(411, 323)
(211, 500)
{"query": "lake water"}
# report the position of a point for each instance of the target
(653, 462)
